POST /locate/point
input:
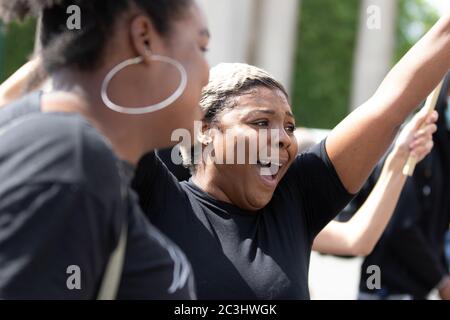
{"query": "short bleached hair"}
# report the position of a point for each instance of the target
(226, 82)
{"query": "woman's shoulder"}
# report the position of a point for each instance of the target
(27, 104)
(60, 148)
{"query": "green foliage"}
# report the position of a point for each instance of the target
(324, 60)
(416, 17)
(18, 44)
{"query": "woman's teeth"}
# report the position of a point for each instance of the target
(264, 164)
(268, 164)
(269, 169)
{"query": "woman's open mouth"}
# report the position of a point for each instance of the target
(269, 172)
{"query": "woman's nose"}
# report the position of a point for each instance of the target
(284, 139)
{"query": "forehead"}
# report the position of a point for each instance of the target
(197, 18)
(260, 98)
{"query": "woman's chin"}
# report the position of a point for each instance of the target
(259, 202)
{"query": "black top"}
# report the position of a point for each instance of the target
(63, 202)
(411, 252)
(179, 171)
(237, 254)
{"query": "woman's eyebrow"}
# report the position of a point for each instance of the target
(265, 111)
(271, 112)
(290, 114)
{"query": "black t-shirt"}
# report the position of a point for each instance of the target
(63, 202)
(411, 252)
(237, 254)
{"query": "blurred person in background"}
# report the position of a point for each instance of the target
(411, 252)
(359, 235)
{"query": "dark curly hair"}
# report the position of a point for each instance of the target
(83, 48)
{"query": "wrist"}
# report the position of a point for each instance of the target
(396, 160)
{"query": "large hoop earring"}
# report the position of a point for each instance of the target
(148, 109)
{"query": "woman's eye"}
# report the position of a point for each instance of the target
(204, 49)
(262, 123)
(290, 129)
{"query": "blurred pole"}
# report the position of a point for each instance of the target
(37, 38)
(276, 38)
(375, 48)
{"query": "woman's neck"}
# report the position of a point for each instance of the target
(68, 96)
(204, 179)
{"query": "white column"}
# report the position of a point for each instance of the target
(230, 23)
(375, 48)
(277, 34)
(259, 32)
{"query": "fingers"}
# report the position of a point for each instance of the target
(423, 150)
(416, 139)
(432, 117)
(424, 118)
(428, 130)
(422, 142)
(423, 135)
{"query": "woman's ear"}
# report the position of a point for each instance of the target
(143, 36)
(205, 136)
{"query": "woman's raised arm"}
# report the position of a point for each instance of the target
(357, 143)
(16, 85)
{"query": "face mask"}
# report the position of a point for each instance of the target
(447, 114)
